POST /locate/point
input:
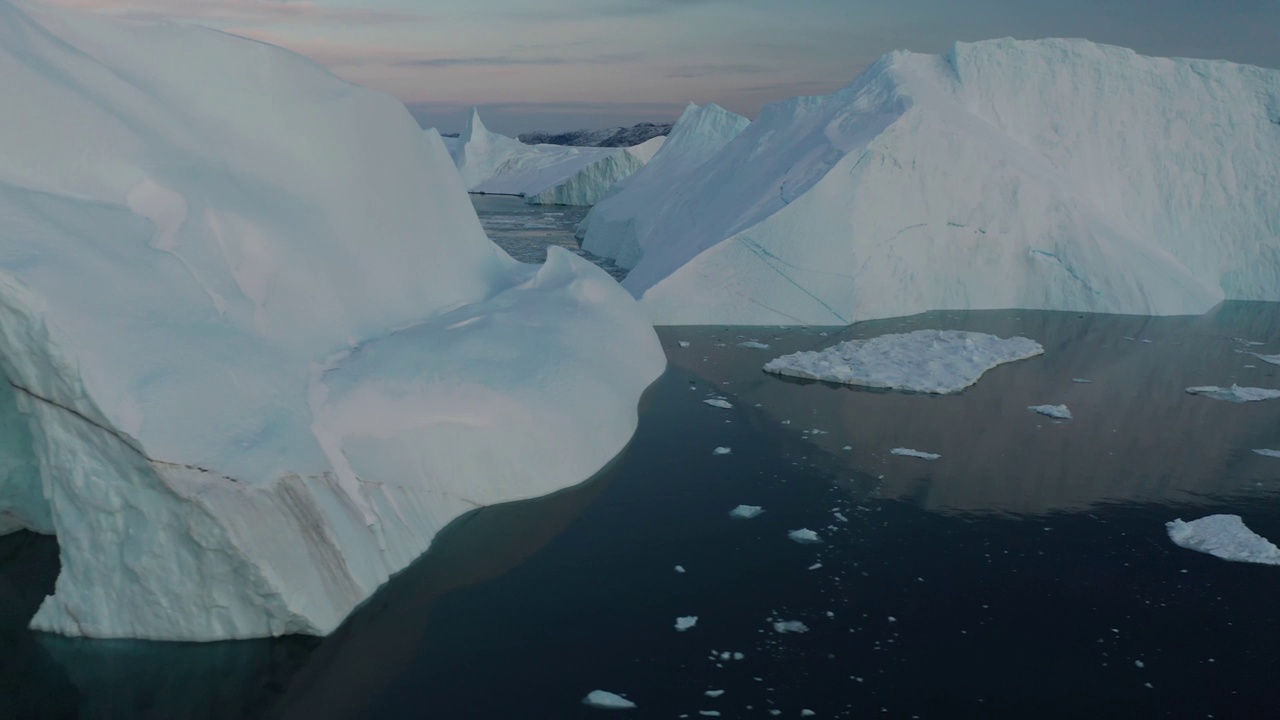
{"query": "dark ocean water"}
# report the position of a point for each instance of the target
(1024, 574)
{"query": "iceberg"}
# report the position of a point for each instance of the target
(1224, 536)
(542, 174)
(930, 361)
(1235, 393)
(605, 700)
(619, 226)
(909, 452)
(257, 350)
(1058, 412)
(1047, 174)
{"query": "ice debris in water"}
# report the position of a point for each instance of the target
(719, 402)
(1082, 381)
(783, 627)
(1054, 411)
(1268, 453)
(746, 512)
(908, 452)
(682, 343)
(804, 536)
(1224, 536)
(752, 344)
(713, 693)
(686, 622)
(932, 361)
(1235, 393)
(721, 451)
(1273, 359)
(680, 569)
(605, 700)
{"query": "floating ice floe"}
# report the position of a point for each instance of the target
(713, 693)
(1273, 359)
(721, 451)
(804, 536)
(1224, 536)
(783, 627)
(686, 622)
(1235, 393)
(605, 700)
(752, 344)
(1268, 453)
(908, 452)
(719, 403)
(1059, 412)
(683, 343)
(931, 361)
(1082, 381)
(746, 512)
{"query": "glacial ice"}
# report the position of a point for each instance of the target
(257, 350)
(719, 403)
(686, 622)
(908, 452)
(1059, 412)
(1224, 536)
(1046, 174)
(931, 361)
(619, 226)
(542, 174)
(805, 536)
(605, 700)
(746, 512)
(1235, 393)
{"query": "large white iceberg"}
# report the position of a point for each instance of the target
(542, 174)
(257, 349)
(930, 361)
(1051, 174)
(1224, 536)
(619, 226)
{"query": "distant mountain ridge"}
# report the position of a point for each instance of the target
(607, 137)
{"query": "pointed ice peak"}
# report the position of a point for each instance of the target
(475, 129)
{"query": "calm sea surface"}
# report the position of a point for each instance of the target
(1024, 574)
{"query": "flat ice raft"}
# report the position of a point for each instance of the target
(255, 348)
(929, 361)
(1224, 536)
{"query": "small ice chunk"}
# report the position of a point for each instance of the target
(840, 516)
(721, 451)
(1273, 359)
(738, 656)
(709, 713)
(815, 566)
(719, 402)
(713, 693)
(908, 452)
(1268, 453)
(790, 626)
(1248, 342)
(847, 447)
(1235, 393)
(680, 568)
(746, 512)
(807, 713)
(1139, 664)
(606, 700)
(753, 345)
(932, 361)
(1224, 536)
(682, 343)
(1054, 411)
(804, 536)
(1082, 381)
(686, 622)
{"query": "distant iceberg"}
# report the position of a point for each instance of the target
(1047, 174)
(931, 361)
(256, 348)
(542, 174)
(1224, 536)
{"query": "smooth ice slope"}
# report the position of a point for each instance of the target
(1052, 174)
(619, 226)
(257, 349)
(542, 174)
(1224, 536)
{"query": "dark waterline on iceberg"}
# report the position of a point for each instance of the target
(1025, 573)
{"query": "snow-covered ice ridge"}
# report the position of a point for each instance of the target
(542, 174)
(1048, 174)
(931, 361)
(256, 348)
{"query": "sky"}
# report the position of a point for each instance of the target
(567, 64)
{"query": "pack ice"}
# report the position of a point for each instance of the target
(1049, 174)
(620, 226)
(542, 174)
(256, 348)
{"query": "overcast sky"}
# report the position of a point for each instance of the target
(564, 64)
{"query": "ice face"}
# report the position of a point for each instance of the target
(1048, 174)
(243, 388)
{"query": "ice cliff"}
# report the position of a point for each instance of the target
(1054, 174)
(542, 174)
(618, 226)
(256, 348)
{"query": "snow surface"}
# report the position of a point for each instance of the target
(542, 174)
(605, 700)
(908, 452)
(746, 512)
(257, 350)
(1046, 174)
(1054, 411)
(620, 226)
(1235, 393)
(932, 361)
(1224, 536)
